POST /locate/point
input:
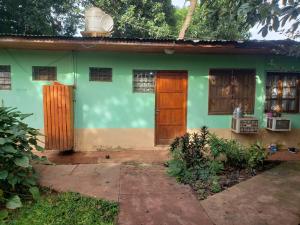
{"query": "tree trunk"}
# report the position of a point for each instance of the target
(188, 19)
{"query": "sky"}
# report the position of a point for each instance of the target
(254, 31)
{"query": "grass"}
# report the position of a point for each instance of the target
(65, 209)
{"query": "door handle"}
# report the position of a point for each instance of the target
(157, 111)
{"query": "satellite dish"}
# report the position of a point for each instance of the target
(97, 20)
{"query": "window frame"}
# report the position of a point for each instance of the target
(34, 75)
(154, 80)
(280, 99)
(9, 77)
(100, 68)
(232, 69)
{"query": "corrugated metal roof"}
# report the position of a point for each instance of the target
(143, 45)
(245, 43)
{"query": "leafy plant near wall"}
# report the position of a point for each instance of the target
(17, 177)
(202, 159)
(190, 161)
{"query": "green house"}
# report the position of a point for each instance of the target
(141, 93)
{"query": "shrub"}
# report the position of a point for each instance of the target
(188, 162)
(199, 159)
(17, 140)
(256, 156)
(237, 155)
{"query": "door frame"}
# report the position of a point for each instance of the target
(182, 72)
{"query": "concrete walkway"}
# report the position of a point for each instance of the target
(147, 196)
(271, 198)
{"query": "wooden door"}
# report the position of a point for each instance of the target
(58, 117)
(170, 110)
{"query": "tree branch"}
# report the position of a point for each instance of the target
(188, 19)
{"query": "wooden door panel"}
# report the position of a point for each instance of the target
(170, 84)
(167, 100)
(171, 97)
(170, 117)
(58, 117)
(168, 133)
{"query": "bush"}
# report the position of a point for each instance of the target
(200, 159)
(17, 140)
(188, 162)
(256, 156)
(237, 156)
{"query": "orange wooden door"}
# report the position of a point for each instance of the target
(170, 111)
(58, 117)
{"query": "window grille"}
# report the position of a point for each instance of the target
(5, 78)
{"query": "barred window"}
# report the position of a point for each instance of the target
(282, 91)
(100, 74)
(229, 88)
(47, 73)
(144, 81)
(5, 78)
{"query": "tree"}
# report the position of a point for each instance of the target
(142, 19)
(274, 15)
(41, 17)
(133, 18)
(188, 19)
(217, 19)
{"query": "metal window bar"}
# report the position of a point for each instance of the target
(100, 74)
(5, 78)
(46, 73)
(144, 81)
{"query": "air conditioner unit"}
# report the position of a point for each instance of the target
(244, 125)
(278, 124)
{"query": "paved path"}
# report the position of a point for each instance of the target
(271, 198)
(147, 196)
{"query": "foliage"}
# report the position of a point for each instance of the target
(134, 18)
(200, 160)
(256, 156)
(17, 140)
(41, 17)
(189, 162)
(218, 19)
(65, 209)
(237, 156)
(275, 15)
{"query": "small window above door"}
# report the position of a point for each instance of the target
(101, 74)
(44, 73)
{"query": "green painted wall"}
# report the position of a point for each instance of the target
(113, 104)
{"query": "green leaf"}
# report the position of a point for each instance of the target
(9, 149)
(3, 174)
(3, 214)
(2, 141)
(39, 148)
(14, 202)
(35, 193)
(22, 162)
(23, 116)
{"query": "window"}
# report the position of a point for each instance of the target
(229, 88)
(100, 74)
(5, 78)
(144, 81)
(44, 73)
(282, 90)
